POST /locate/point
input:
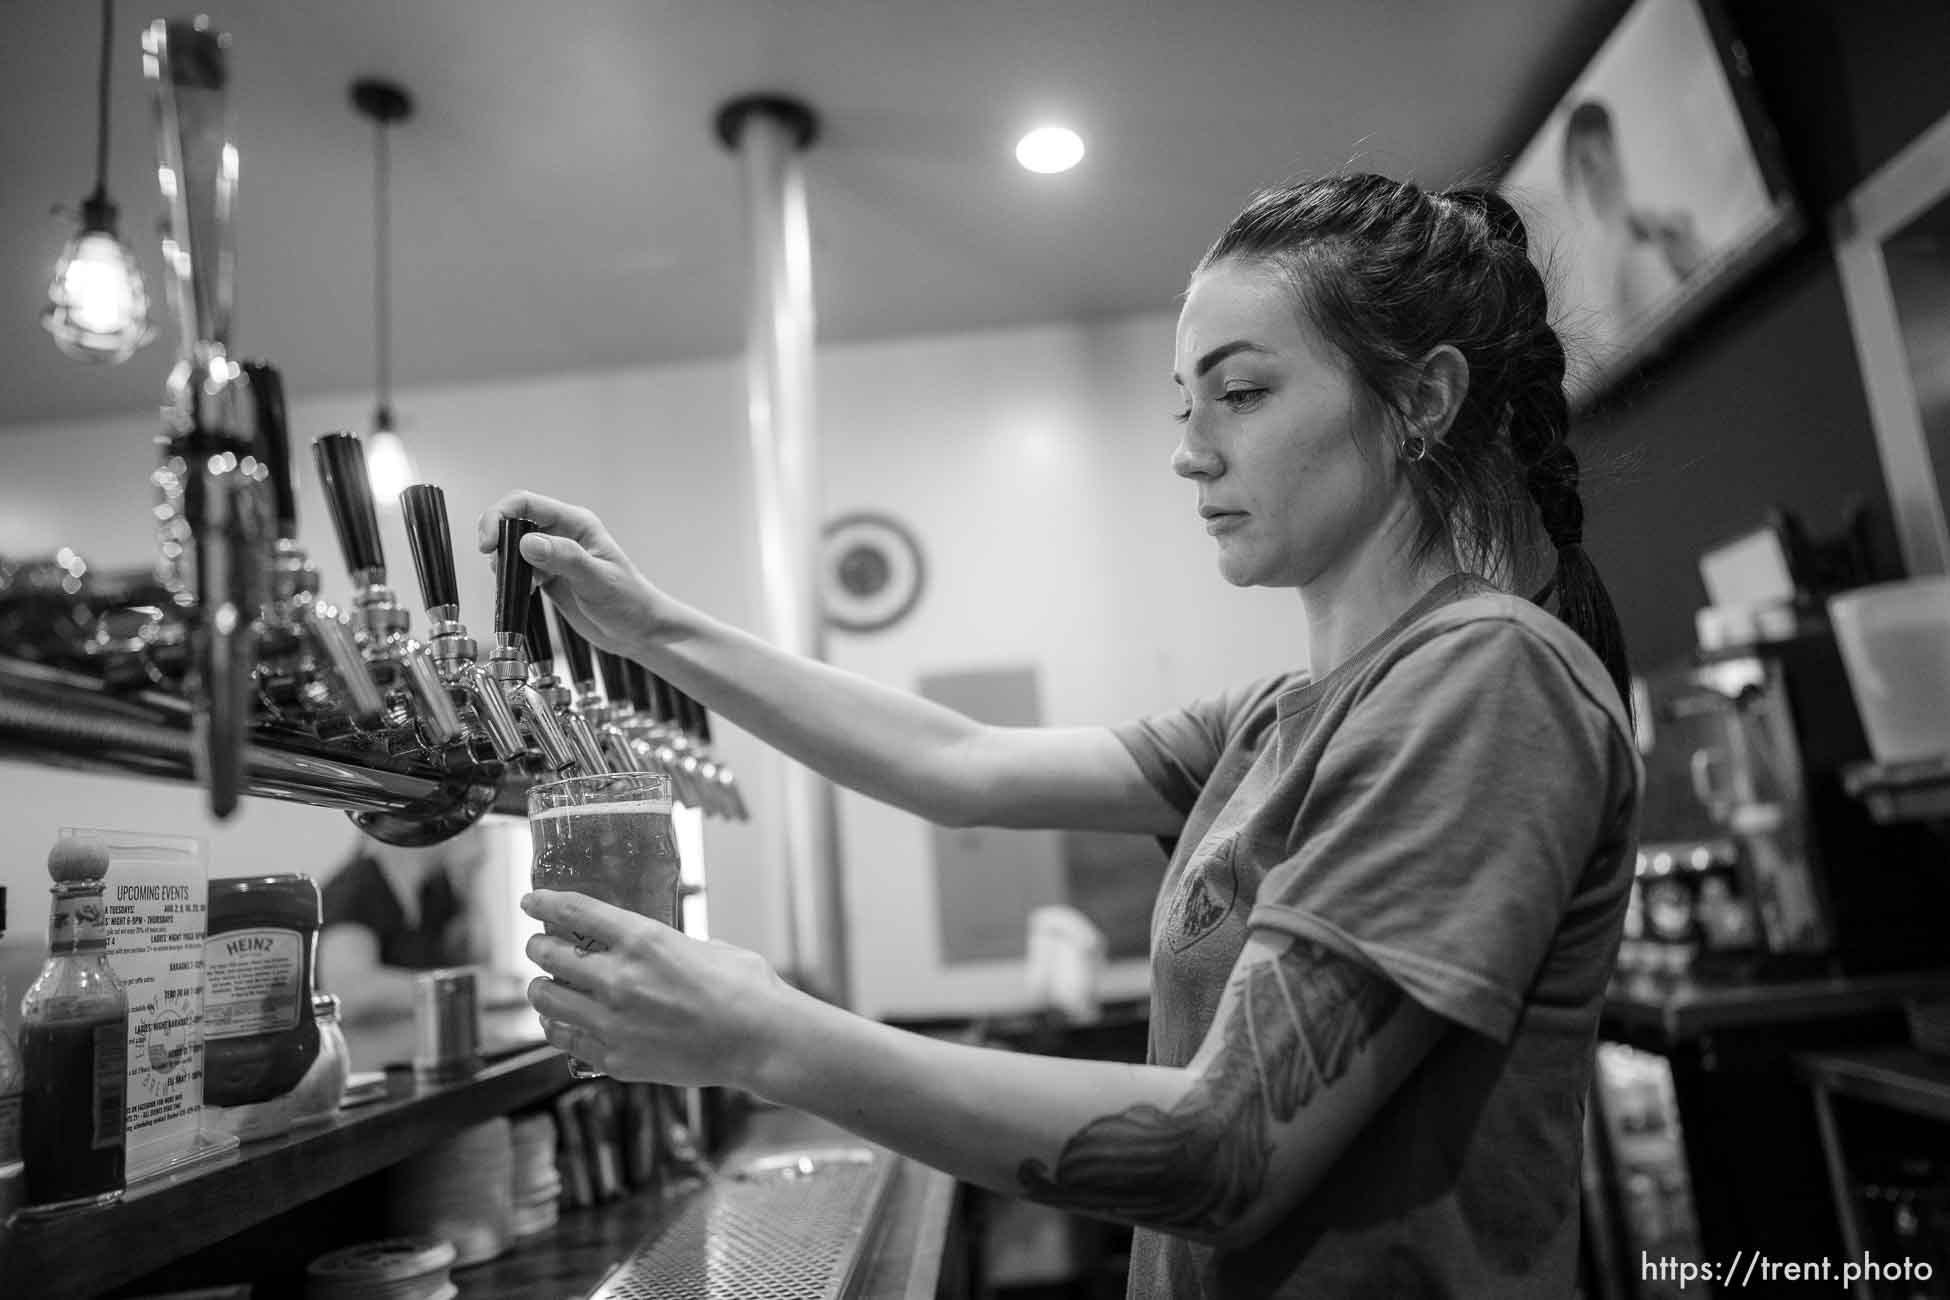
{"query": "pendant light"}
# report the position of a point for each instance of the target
(98, 306)
(387, 464)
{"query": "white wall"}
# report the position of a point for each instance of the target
(1032, 464)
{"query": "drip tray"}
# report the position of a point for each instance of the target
(795, 1223)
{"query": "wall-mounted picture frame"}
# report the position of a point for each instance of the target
(1654, 186)
(1892, 248)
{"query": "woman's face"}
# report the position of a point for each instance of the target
(1272, 432)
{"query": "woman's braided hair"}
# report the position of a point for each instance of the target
(1387, 272)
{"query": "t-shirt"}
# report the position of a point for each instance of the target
(1456, 808)
(360, 894)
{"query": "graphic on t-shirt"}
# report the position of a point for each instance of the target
(1204, 896)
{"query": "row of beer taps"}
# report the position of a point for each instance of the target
(232, 643)
(605, 715)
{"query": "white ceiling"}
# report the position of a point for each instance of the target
(561, 203)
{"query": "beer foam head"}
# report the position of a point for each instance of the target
(618, 808)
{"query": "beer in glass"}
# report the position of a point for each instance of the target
(609, 837)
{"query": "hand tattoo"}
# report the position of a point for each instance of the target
(1298, 1022)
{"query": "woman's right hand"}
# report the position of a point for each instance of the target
(592, 582)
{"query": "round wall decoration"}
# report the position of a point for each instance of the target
(870, 572)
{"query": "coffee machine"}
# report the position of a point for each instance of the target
(1747, 824)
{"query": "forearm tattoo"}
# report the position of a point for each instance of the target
(1296, 1026)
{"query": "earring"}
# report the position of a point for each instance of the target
(1414, 448)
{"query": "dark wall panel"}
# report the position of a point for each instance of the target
(1762, 403)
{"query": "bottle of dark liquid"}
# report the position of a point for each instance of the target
(10, 1084)
(74, 1030)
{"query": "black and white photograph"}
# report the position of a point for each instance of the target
(899, 650)
(1645, 186)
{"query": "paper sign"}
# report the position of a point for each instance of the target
(156, 902)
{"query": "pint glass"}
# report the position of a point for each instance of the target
(609, 837)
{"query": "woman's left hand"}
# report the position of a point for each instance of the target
(657, 1005)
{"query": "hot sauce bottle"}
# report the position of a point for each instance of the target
(74, 1031)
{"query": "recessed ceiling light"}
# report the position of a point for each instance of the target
(1050, 149)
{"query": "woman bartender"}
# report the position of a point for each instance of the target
(1399, 877)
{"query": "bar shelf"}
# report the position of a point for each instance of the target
(89, 1252)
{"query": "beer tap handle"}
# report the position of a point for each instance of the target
(663, 700)
(612, 674)
(425, 509)
(582, 667)
(730, 802)
(687, 712)
(636, 681)
(541, 647)
(273, 445)
(516, 577)
(697, 765)
(342, 473)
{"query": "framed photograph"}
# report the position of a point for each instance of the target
(1653, 187)
(1892, 246)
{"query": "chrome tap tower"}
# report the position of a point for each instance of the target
(227, 666)
(213, 512)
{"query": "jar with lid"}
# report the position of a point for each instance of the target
(319, 1093)
(260, 1037)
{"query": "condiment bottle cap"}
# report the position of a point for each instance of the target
(77, 857)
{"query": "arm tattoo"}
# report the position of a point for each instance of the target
(1297, 1024)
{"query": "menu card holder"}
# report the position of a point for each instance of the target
(157, 899)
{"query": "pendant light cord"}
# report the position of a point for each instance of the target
(101, 100)
(382, 277)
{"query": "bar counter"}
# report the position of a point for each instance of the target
(257, 1213)
(903, 1258)
(1658, 1012)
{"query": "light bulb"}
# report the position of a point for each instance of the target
(388, 467)
(1050, 149)
(98, 305)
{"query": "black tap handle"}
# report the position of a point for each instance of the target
(511, 595)
(541, 649)
(273, 444)
(687, 711)
(342, 473)
(613, 676)
(703, 723)
(576, 647)
(637, 682)
(425, 509)
(663, 699)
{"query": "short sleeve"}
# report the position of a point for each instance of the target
(1452, 815)
(1177, 751)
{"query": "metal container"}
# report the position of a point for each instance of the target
(447, 1026)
